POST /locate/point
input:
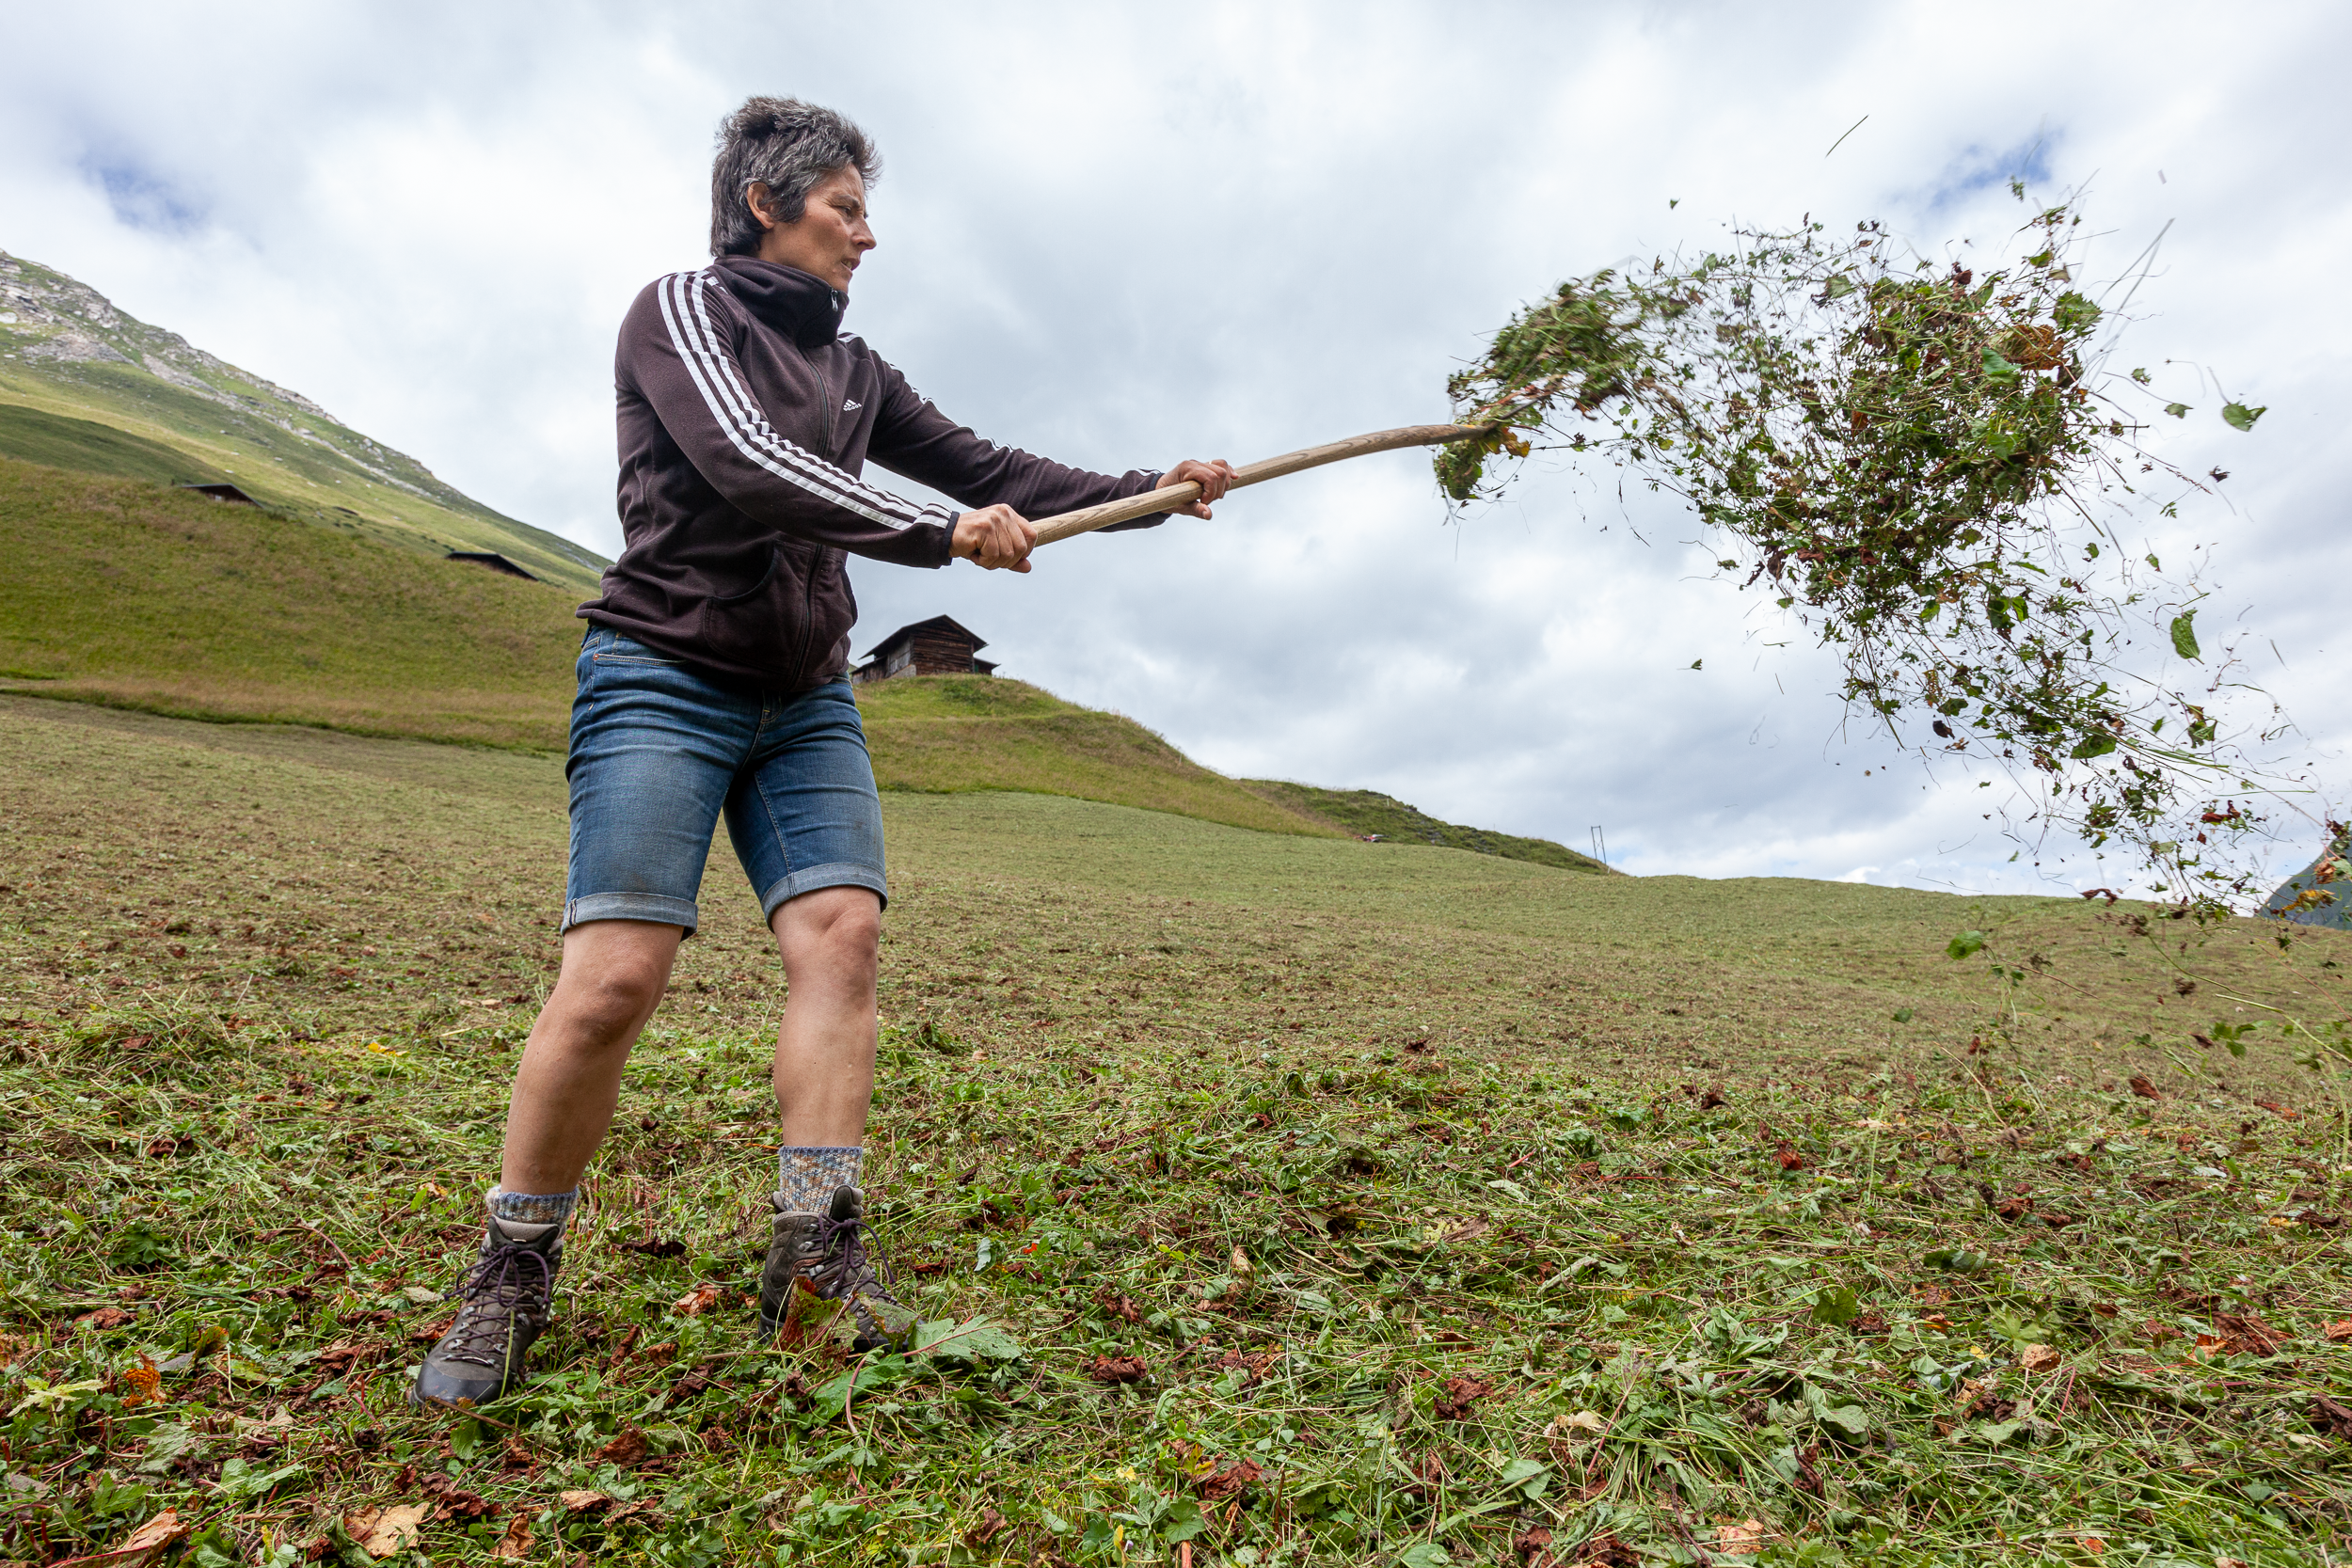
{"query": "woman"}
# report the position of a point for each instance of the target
(712, 681)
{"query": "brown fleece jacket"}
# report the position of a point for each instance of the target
(746, 418)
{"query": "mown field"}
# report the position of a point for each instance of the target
(1271, 1199)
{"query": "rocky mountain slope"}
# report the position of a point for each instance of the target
(73, 366)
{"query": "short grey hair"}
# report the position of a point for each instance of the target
(787, 146)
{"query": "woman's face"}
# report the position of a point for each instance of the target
(830, 237)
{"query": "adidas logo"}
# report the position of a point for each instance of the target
(851, 406)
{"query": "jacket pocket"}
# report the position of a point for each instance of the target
(775, 558)
(755, 630)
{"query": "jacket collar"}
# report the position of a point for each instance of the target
(788, 300)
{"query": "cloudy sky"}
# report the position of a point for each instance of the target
(1122, 235)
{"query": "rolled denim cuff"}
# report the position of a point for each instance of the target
(651, 907)
(839, 874)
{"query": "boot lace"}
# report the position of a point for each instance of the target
(509, 1281)
(845, 1263)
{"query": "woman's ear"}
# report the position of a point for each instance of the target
(761, 200)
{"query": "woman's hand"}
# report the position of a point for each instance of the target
(997, 537)
(1214, 479)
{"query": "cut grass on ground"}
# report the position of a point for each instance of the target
(1296, 1201)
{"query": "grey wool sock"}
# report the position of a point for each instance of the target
(806, 1179)
(533, 1207)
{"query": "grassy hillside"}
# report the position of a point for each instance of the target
(949, 733)
(131, 594)
(1366, 812)
(1328, 1204)
(35, 435)
(119, 592)
(72, 368)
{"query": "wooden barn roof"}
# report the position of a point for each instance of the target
(224, 493)
(494, 561)
(937, 625)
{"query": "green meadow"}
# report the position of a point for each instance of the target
(131, 594)
(1266, 1198)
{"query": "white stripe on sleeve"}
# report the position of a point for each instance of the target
(746, 426)
(691, 358)
(729, 376)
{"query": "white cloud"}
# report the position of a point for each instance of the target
(1121, 235)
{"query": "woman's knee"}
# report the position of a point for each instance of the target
(619, 997)
(603, 1011)
(853, 943)
(610, 987)
(612, 1000)
(837, 931)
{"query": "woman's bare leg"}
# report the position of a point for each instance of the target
(613, 974)
(825, 1073)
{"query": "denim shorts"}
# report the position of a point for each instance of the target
(658, 752)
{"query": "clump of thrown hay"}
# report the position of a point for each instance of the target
(1937, 470)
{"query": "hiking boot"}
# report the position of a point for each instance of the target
(507, 1305)
(825, 1255)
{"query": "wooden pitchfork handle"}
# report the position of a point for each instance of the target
(1086, 521)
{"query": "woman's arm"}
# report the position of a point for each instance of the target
(999, 537)
(913, 439)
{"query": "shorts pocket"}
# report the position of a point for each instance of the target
(618, 649)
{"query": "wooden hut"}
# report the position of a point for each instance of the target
(934, 648)
(491, 559)
(221, 493)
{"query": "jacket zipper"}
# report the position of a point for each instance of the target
(808, 596)
(824, 390)
(808, 623)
